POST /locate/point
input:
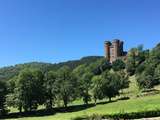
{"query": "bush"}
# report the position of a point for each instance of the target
(118, 65)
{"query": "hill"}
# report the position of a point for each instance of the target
(8, 72)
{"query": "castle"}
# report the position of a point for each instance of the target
(114, 50)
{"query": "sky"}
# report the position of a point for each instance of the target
(61, 30)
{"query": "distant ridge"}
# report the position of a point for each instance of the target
(7, 73)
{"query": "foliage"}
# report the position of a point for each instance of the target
(148, 72)
(118, 65)
(50, 88)
(110, 85)
(157, 74)
(29, 91)
(66, 85)
(146, 79)
(96, 88)
(85, 86)
(123, 79)
(7, 73)
(3, 92)
(135, 57)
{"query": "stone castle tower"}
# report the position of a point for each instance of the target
(114, 50)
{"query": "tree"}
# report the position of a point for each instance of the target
(123, 80)
(135, 57)
(3, 92)
(146, 79)
(80, 70)
(131, 61)
(38, 86)
(154, 56)
(85, 85)
(110, 85)
(148, 71)
(11, 98)
(130, 66)
(66, 85)
(12, 84)
(157, 74)
(118, 65)
(98, 66)
(50, 88)
(29, 89)
(84, 76)
(97, 88)
(140, 68)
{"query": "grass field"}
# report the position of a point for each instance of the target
(132, 105)
(151, 102)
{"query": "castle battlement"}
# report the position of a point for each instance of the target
(114, 50)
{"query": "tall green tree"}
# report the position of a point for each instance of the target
(147, 73)
(84, 75)
(110, 85)
(66, 85)
(50, 88)
(146, 79)
(97, 88)
(85, 86)
(29, 89)
(3, 92)
(135, 57)
(157, 74)
(123, 79)
(154, 57)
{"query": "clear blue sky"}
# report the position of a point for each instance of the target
(61, 30)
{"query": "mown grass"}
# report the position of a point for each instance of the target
(121, 106)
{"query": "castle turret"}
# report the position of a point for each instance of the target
(114, 50)
(121, 48)
(107, 50)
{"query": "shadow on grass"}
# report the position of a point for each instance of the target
(151, 90)
(124, 98)
(106, 102)
(44, 112)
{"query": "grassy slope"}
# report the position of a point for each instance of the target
(132, 105)
(133, 89)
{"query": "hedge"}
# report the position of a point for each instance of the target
(117, 116)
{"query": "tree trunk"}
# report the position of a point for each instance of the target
(50, 102)
(65, 103)
(95, 101)
(85, 99)
(30, 106)
(20, 109)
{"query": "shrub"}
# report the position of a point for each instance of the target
(133, 115)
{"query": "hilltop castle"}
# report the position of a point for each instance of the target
(114, 50)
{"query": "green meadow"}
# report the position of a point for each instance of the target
(134, 104)
(126, 106)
